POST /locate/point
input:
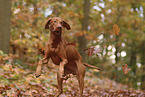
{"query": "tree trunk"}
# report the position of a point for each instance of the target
(143, 65)
(85, 22)
(117, 49)
(5, 15)
(133, 58)
(117, 46)
(143, 59)
(56, 8)
(35, 13)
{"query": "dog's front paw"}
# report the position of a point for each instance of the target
(62, 75)
(38, 71)
(37, 75)
(65, 77)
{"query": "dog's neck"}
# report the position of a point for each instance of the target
(55, 40)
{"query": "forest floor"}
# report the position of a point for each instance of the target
(17, 81)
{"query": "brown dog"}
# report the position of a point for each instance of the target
(63, 54)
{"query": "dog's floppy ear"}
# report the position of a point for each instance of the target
(47, 24)
(66, 25)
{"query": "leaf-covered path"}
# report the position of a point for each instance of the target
(16, 82)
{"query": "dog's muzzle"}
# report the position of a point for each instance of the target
(58, 31)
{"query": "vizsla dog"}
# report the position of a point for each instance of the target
(63, 54)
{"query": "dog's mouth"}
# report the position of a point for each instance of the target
(58, 31)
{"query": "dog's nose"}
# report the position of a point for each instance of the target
(58, 28)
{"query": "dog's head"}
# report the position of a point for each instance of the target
(55, 25)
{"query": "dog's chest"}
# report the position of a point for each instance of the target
(54, 51)
(54, 56)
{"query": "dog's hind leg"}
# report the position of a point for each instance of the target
(80, 76)
(60, 85)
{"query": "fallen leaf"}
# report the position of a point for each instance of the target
(2, 61)
(116, 29)
(90, 51)
(125, 68)
(115, 76)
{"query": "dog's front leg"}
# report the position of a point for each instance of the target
(43, 61)
(64, 61)
(61, 67)
(38, 69)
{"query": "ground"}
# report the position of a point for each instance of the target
(17, 81)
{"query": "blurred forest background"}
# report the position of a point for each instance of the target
(110, 34)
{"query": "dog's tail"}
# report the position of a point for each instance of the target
(88, 65)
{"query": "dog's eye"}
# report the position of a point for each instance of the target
(61, 22)
(54, 21)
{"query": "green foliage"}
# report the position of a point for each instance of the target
(2, 53)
